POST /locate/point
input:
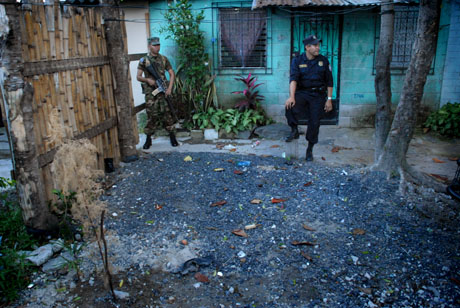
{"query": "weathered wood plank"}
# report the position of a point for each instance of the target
(108, 124)
(135, 56)
(54, 66)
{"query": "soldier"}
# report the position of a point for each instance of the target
(158, 113)
(310, 78)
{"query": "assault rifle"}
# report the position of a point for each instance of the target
(161, 88)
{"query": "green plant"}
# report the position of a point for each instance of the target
(194, 79)
(62, 209)
(445, 121)
(74, 249)
(251, 97)
(231, 120)
(14, 269)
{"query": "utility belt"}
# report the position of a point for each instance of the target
(314, 89)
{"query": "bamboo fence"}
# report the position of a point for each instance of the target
(66, 60)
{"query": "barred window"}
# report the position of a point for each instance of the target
(405, 28)
(243, 38)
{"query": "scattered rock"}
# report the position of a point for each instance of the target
(121, 295)
(40, 255)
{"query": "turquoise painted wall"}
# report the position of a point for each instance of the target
(357, 79)
(357, 57)
(275, 87)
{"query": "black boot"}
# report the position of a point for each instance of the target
(309, 154)
(148, 142)
(294, 134)
(172, 138)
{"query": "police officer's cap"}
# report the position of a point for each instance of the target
(311, 40)
(154, 40)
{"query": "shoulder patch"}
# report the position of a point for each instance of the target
(142, 60)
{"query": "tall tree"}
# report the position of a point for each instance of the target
(393, 157)
(383, 76)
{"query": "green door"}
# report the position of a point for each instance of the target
(326, 28)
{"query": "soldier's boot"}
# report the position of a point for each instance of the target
(294, 134)
(172, 138)
(148, 142)
(309, 153)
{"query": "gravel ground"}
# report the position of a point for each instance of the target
(359, 244)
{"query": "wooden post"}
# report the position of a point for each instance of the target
(18, 100)
(119, 63)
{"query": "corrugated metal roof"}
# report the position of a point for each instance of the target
(296, 3)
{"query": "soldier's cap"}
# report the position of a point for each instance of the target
(154, 40)
(311, 40)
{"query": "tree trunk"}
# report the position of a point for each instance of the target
(393, 158)
(18, 101)
(383, 77)
(119, 63)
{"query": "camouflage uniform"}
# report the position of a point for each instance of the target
(158, 113)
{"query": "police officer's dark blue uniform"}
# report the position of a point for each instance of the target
(313, 83)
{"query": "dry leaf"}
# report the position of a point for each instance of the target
(297, 243)
(308, 183)
(426, 130)
(230, 161)
(438, 161)
(184, 242)
(158, 206)
(306, 256)
(225, 188)
(323, 158)
(439, 177)
(219, 169)
(240, 232)
(265, 155)
(338, 148)
(308, 228)
(188, 158)
(201, 278)
(453, 158)
(455, 280)
(252, 226)
(238, 172)
(256, 201)
(358, 231)
(275, 146)
(219, 203)
(276, 200)
(233, 150)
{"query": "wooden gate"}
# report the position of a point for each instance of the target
(61, 86)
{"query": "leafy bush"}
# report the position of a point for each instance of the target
(251, 97)
(445, 121)
(231, 120)
(193, 62)
(14, 269)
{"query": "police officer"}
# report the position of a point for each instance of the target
(158, 113)
(310, 91)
